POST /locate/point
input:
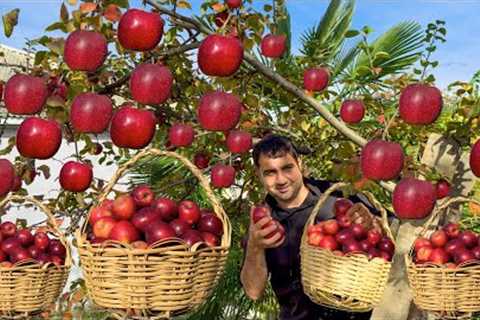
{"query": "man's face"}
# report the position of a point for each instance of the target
(281, 176)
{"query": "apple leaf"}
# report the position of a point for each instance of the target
(63, 13)
(10, 20)
(183, 4)
(120, 3)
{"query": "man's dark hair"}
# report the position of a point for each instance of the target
(274, 146)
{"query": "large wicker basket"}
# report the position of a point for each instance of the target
(451, 293)
(167, 279)
(351, 282)
(28, 287)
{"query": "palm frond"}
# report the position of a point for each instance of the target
(345, 59)
(324, 40)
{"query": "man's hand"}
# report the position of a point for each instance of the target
(359, 213)
(258, 232)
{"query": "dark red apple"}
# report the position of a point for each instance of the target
(25, 94)
(452, 230)
(8, 229)
(344, 235)
(189, 212)
(219, 111)
(453, 246)
(316, 79)
(373, 253)
(98, 212)
(475, 158)
(381, 160)
(463, 255)
(20, 254)
(140, 30)
(344, 221)
(342, 205)
(17, 181)
(181, 135)
(469, 238)
(91, 113)
(132, 127)
(85, 50)
(58, 261)
(239, 141)
(387, 256)
(351, 245)
(179, 226)
(413, 198)
(145, 217)
(331, 227)
(7, 176)
(328, 242)
(56, 248)
(220, 55)
(222, 176)
(25, 237)
(41, 240)
(124, 232)
(167, 208)
(476, 252)
(124, 207)
(151, 83)
(373, 237)
(159, 231)
(233, 4)
(439, 239)
(10, 245)
(352, 111)
(420, 104)
(34, 251)
(76, 176)
(260, 212)
(201, 160)
(210, 223)
(359, 231)
(103, 227)
(221, 18)
(386, 244)
(365, 245)
(191, 237)
(44, 258)
(442, 187)
(38, 138)
(143, 196)
(273, 46)
(210, 239)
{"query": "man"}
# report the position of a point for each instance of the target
(291, 198)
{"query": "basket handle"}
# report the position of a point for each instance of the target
(217, 207)
(337, 186)
(51, 222)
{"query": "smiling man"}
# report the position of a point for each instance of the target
(291, 197)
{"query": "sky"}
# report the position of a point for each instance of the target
(458, 57)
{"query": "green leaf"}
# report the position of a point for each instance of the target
(120, 3)
(56, 26)
(10, 20)
(352, 33)
(63, 13)
(367, 30)
(267, 8)
(183, 4)
(39, 56)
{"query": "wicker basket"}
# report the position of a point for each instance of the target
(28, 287)
(448, 293)
(167, 279)
(351, 282)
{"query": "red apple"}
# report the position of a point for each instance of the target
(421, 242)
(315, 238)
(189, 212)
(316, 79)
(373, 253)
(439, 256)
(365, 245)
(210, 239)
(151, 83)
(201, 160)
(103, 227)
(358, 231)
(143, 196)
(25, 94)
(342, 205)
(273, 46)
(20, 254)
(260, 212)
(7, 176)
(220, 55)
(221, 18)
(76, 176)
(351, 246)
(38, 138)
(476, 252)
(191, 237)
(85, 50)
(140, 30)
(25, 237)
(181, 135)
(124, 207)
(331, 227)
(454, 246)
(475, 158)
(167, 208)
(210, 223)
(439, 239)
(124, 232)
(132, 128)
(239, 141)
(98, 212)
(328, 242)
(423, 254)
(344, 235)
(315, 228)
(179, 226)
(381, 160)
(344, 221)
(352, 111)
(386, 244)
(469, 238)
(159, 231)
(139, 244)
(6, 264)
(442, 187)
(373, 237)
(219, 111)
(17, 181)
(463, 255)
(44, 258)
(145, 217)
(413, 198)
(452, 230)
(387, 256)
(41, 240)
(420, 104)
(222, 176)
(233, 4)
(58, 261)
(91, 113)
(10, 245)
(33, 250)
(56, 248)
(8, 229)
